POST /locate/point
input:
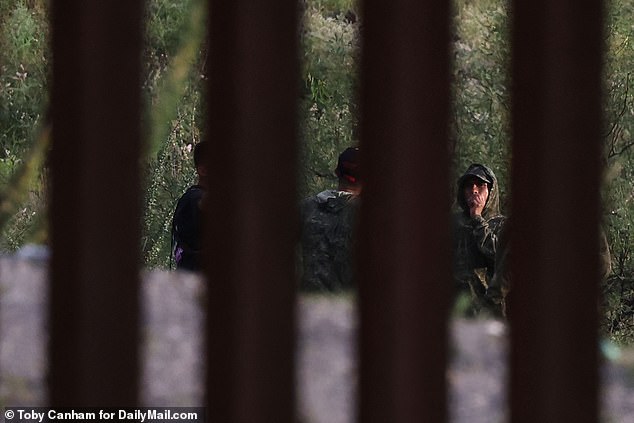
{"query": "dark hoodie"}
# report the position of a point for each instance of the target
(475, 239)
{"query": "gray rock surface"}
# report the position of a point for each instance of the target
(172, 348)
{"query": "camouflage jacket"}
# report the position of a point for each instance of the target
(328, 221)
(475, 242)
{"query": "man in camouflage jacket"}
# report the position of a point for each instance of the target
(475, 231)
(328, 222)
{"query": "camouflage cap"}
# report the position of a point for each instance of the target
(480, 172)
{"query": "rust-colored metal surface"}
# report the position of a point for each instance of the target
(95, 208)
(404, 253)
(251, 229)
(556, 75)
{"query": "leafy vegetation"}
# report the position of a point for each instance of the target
(481, 104)
(174, 76)
(618, 291)
(23, 96)
(328, 106)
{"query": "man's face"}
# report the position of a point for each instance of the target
(476, 192)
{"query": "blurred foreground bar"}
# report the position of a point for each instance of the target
(95, 209)
(404, 257)
(556, 75)
(251, 227)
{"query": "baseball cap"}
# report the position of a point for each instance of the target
(480, 172)
(348, 165)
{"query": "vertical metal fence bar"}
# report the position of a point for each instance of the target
(251, 227)
(95, 208)
(404, 258)
(556, 148)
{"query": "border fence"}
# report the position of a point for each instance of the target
(404, 259)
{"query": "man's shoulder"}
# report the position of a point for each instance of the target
(194, 190)
(314, 200)
(193, 193)
(497, 220)
(306, 205)
(459, 218)
(331, 201)
(188, 201)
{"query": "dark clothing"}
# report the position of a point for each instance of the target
(328, 221)
(500, 285)
(475, 240)
(186, 229)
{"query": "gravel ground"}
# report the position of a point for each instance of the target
(326, 376)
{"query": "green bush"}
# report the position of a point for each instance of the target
(23, 77)
(23, 99)
(328, 106)
(618, 290)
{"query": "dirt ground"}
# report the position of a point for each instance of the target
(326, 353)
